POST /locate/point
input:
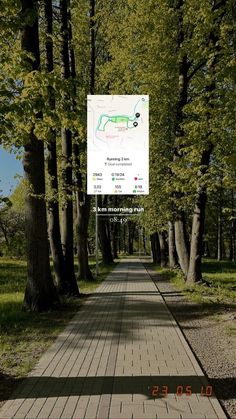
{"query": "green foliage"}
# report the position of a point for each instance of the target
(143, 56)
(17, 198)
(139, 50)
(12, 223)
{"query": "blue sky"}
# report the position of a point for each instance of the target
(9, 168)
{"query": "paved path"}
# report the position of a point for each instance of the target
(120, 344)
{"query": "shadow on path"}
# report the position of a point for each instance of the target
(36, 387)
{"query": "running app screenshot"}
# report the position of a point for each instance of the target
(118, 144)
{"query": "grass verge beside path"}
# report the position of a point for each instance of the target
(25, 336)
(216, 295)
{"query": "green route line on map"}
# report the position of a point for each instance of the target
(104, 119)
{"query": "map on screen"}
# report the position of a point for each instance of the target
(118, 144)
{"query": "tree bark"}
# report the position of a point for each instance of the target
(40, 293)
(82, 221)
(171, 245)
(104, 234)
(83, 212)
(124, 238)
(66, 139)
(4, 230)
(155, 246)
(130, 237)
(194, 272)
(104, 241)
(119, 230)
(163, 249)
(206, 250)
(181, 242)
(53, 205)
(144, 242)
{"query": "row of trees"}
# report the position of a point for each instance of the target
(195, 120)
(39, 106)
(181, 53)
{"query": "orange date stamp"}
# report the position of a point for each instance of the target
(180, 390)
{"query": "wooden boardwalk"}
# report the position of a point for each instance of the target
(120, 344)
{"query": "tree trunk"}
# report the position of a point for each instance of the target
(155, 246)
(194, 272)
(171, 245)
(66, 138)
(53, 205)
(144, 243)
(124, 238)
(114, 231)
(181, 242)
(130, 237)
(5, 234)
(40, 293)
(83, 212)
(104, 233)
(206, 250)
(104, 241)
(219, 230)
(89, 248)
(163, 249)
(119, 238)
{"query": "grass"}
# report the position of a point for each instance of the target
(25, 336)
(218, 285)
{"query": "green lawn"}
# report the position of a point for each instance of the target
(24, 336)
(218, 286)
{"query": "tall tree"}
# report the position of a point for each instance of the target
(83, 201)
(53, 201)
(214, 55)
(66, 139)
(171, 245)
(182, 246)
(40, 293)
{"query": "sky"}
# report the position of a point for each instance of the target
(9, 168)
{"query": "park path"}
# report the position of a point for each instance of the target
(122, 342)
